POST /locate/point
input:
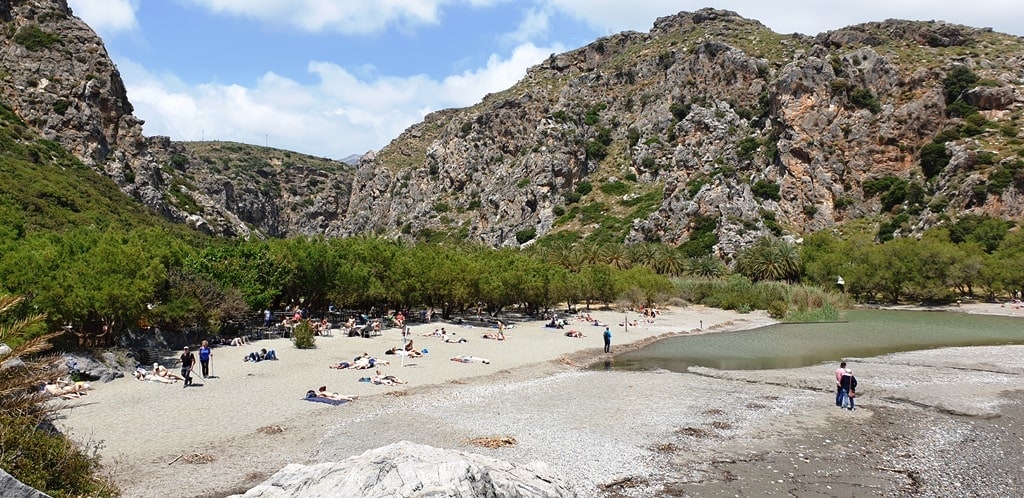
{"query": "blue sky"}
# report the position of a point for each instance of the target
(338, 77)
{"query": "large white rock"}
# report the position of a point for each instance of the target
(406, 469)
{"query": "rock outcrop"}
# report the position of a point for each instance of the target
(13, 488)
(413, 470)
(635, 137)
(59, 79)
(708, 116)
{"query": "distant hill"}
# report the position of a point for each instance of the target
(710, 127)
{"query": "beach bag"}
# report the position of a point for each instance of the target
(852, 394)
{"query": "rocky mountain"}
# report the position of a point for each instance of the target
(710, 125)
(58, 78)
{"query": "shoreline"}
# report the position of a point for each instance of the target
(579, 408)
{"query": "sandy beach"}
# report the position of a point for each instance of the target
(610, 433)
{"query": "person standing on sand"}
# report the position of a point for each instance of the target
(848, 386)
(188, 360)
(839, 379)
(607, 340)
(204, 358)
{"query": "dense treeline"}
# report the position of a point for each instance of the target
(100, 281)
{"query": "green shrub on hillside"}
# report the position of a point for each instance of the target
(763, 189)
(865, 99)
(933, 159)
(34, 38)
(614, 188)
(957, 81)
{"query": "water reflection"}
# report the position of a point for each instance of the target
(866, 333)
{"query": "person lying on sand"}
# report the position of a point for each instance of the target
(143, 374)
(322, 392)
(387, 380)
(499, 336)
(470, 359)
(162, 371)
(575, 333)
(67, 390)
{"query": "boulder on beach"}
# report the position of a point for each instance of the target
(13, 488)
(414, 470)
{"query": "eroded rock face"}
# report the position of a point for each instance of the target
(13, 488)
(413, 470)
(59, 79)
(694, 115)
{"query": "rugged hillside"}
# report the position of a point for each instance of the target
(58, 78)
(711, 116)
(709, 127)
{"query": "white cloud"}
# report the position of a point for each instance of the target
(535, 25)
(341, 114)
(353, 17)
(106, 16)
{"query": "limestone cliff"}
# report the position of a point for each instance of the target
(711, 115)
(709, 121)
(59, 79)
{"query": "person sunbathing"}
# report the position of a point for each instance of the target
(66, 390)
(470, 359)
(341, 365)
(499, 336)
(162, 371)
(324, 393)
(387, 380)
(575, 333)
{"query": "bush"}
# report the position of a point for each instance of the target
(48, 461)
(959, 80)
(34, 38)
(933, 159)
(526, 235)
(766, 190)
(864, 99)
(303, 336)
(614, 188)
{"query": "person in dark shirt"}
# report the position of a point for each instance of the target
(188, 360)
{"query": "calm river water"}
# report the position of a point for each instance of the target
(866, 333)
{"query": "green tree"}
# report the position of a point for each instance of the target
(934, 159)
(770, 258)
(957, 81)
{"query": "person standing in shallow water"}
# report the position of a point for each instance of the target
(607, 340)
(188, 360)
(204, 358)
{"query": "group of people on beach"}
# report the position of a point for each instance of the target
(846, 387)
(66, 389)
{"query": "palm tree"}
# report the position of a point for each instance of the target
(706, 266)
(770, 258)
(615, 255)
(643, 254)
(669, 261)
(22, 368)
